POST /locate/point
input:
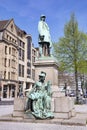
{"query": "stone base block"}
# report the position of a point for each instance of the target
(19, 106)
(63, 115)
(63, 107)
(63, 104)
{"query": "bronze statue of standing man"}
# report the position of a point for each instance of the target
(44, 40)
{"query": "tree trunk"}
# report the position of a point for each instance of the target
(76, 81)
(82, 84)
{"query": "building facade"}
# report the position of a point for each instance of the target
(17, 55)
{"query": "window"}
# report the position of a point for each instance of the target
(13, 63)
(5, 62)
(28, 64)
(23, 45)
(23, 55)
(10, 38)
(19, 43)
(9, 50)
(22, 70)
(15, 41)
(7, 37)
(33, 74)
(8, 75)
(19, 52)
(27, 85)
(28, 73)
(5, 49)
(29, 48)
(13, 51)
(4, 74)
(12, 27)
(9, 63)
(19, 69)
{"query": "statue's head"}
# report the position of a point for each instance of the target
(42, 17)
(42, 76)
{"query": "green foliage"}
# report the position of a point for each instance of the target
(82, 67)
(72, 48)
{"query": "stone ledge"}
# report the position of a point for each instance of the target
(18, 113)
(72, 121)
(77, 122)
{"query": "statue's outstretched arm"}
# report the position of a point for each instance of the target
(31, 91)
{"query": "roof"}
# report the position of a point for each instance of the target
(3, 24)
(20, 31)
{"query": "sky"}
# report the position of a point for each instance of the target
(26, 15)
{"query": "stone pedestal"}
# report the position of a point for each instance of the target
(49, 66)
(19, 109)
(19, 105)
(62, 107)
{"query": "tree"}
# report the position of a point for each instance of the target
(71, 49)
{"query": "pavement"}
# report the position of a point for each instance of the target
(37, 126)
(79, 120)
(7, 122)
(6, 110)
(81, 108)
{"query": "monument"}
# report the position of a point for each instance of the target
(40, 98)
(39, 102)
(61, 106)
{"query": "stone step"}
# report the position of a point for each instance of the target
(72, 121)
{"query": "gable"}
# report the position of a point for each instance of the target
(11, 27)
